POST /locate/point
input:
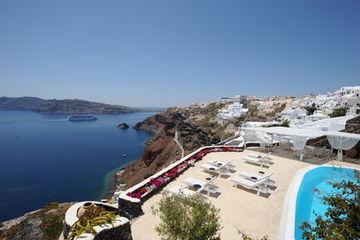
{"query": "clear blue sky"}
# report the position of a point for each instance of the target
(163, 53)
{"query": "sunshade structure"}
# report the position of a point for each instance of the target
(299, 136)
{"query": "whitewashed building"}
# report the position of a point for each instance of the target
(353, 105)
(235, 109)
(348, 90)
(289, 114)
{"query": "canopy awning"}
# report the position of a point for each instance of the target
(338, 140)
(302, 132)
(285, 131)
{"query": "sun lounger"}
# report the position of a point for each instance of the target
(257, 161)
(265, 158)
(180, 190)
(216, 163)
(258, 186)
(193, 181)
(200, 185)
(209, 168)
(220, 170)
(221, 164)
(258, 177)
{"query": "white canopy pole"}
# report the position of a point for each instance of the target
(301, 155)
(340, 151)
(340, 155)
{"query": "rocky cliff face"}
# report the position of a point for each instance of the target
(195, 126)
(161, 150)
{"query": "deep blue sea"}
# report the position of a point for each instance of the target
(45, 158)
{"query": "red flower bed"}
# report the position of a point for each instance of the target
(181, 167)
(137, 193)
(216, 149)
(171, 173)
(157, 182)
(201, 154)
(231, 149)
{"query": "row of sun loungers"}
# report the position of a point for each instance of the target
(260, 182)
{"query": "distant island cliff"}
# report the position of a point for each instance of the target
(61, 106)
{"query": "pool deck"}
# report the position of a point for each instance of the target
(240, 209)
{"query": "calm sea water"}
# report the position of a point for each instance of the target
(45, 158)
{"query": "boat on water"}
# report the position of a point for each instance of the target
(78, 118)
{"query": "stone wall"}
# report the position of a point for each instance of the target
(129, 209)
(122, 232)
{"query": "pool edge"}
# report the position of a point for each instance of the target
(287, 221)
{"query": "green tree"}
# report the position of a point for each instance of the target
(338, 112)
(285, 123)
(310, 109)
(187, 218)
(342, 219)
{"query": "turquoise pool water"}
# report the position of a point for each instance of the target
(315, 184)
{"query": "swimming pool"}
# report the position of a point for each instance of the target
(304, 195)
(316, 183)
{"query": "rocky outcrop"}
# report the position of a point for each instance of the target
(123, 126)
(353, 125)
(45, 224)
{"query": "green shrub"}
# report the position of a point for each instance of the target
(310, 109)
(338, 112)
(187, 218)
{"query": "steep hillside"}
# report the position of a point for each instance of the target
(196, 126)
(61, 106)
(21, 103)
(80, 106)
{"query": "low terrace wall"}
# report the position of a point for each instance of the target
(130, 201)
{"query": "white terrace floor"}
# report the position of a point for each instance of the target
(239, 209)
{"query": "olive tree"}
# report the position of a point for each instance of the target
(187, 218)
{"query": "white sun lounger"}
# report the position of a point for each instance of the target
(258, 177)
(265, 158)
(221, 164)
(193, 181)
(209, 168)
(257, 161)
(180, 190)
(258, 186)
(207, 186)
(221, 170)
